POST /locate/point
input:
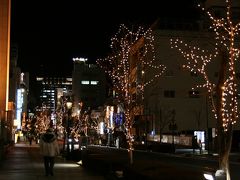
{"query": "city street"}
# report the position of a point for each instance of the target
(23, 162)
(157, 166)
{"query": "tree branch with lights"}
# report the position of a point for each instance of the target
(223, 93)
(118, 68)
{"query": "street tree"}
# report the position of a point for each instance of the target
(223, 93)
(59, 116)
(42, 121)
(120, 67)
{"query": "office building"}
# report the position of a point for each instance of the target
(89, 85)
(51, 89)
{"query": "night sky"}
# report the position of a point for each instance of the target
(50, 33)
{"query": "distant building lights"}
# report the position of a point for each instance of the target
(101, 127)
(94, 82)
(69, 79)
(19, 108)
(80, 59)
(208, 176)
(39, 78)
(22, 77)
(84, 82)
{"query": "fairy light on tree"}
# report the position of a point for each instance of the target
(118, 68)
(59, 114)
(42, 121)
(225, 105)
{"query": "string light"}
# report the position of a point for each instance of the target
(197, 60)
(118, 67)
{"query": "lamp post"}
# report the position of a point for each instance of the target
(173, 127)
(69, 106)
(207, 132)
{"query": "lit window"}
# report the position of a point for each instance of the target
(94, 82)
(39, 78)
(84, 82)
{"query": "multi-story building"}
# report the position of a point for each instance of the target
(51, 90)
(14, 82)
(170, 100)
(5, 9)
(171, 105)
(89, 85)
(18, 95)
(14, 74)
(22, 100)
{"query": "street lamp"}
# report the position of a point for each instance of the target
(69, 106)
(173, 127)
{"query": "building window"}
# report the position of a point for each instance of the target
(194, 94)
(84, 82)
(169, 93)
(94, 82)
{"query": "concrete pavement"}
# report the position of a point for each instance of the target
(23, 162)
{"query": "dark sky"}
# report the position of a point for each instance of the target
(50, 33)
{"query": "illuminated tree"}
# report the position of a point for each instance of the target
(119, 68)
(42, 121)
(59, 115)
(223, 93)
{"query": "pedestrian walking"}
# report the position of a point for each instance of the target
(30, 139)
(200, 146)
(49, 149)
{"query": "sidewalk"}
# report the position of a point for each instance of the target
(23, 162)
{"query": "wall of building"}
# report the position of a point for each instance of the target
(48, 87)
(189, 113)
(5, 7)
(5, 12)
(84, 88)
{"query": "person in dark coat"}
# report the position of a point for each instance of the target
(49, 149)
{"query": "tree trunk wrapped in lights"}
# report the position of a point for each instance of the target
(224, 106)
(120, 68)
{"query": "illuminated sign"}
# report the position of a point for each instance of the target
(80, 59)
(19, 107)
